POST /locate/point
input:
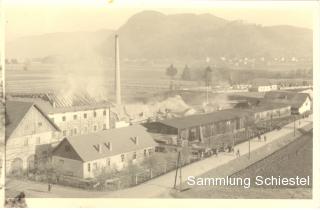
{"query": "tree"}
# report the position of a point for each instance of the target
(171, 71)
(186, 74)
(207, 76)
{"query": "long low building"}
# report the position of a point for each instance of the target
(85, 156)
(207, 128)
(301, 103)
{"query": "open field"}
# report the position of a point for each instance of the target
(293, 160)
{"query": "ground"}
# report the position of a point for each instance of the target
(293, 160)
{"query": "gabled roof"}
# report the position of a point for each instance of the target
(121, 140)
(203, 119)
(287, 97)
(15, 112)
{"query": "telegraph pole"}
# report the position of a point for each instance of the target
(177, 168)
(294, 125)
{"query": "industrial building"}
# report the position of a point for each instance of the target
(29, 136)
(76, 115)
(86, 155)
(262, 85)
(301, 103)
(211, 129)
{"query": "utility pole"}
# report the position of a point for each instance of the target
(177, 168)
(294, 125)
(249, 148)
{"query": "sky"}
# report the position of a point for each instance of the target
(35, 17)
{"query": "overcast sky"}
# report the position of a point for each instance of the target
(30, 17)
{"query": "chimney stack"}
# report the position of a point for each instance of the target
(117, 73)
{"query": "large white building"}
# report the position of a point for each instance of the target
(76, 115)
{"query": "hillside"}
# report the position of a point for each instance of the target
(153, 35)
(61, 44)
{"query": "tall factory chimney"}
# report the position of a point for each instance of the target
(117, 73)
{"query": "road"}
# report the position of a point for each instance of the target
(157, 187)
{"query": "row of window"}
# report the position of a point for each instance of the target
(27, 141)
(74, 131)
(122, 156)
(85, 115)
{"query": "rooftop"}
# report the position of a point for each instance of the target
(56, 103)
(287, 97)
(202, 119)
(120, 139)
(15, 112)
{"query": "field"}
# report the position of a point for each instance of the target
(293, 160)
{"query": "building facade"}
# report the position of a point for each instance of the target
(301, 103)
(86, 156)
(76, 115)
(212, 129)
(30, 135)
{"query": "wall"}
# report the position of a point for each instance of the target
(305, 107)
(82, 125)
(67, 166)
(115, 162)
(33, 136)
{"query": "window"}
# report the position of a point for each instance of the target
(85, 115)
(38, 140)
(134, 156)
(85, 130)
(63, 118)
(95, 128)
(39, 124)
(104, 112)
(94, 114)
(122, 158)
(64, 132)
(61, 162)
(75, 117)
(89, 168)
(75, 131)
(52, 119)
(108, 162)
(26, 142)
(104, 126)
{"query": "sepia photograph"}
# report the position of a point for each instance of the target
(157, 99)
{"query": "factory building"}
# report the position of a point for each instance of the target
(29, 136)
(262, 110)
(76, 115)
(262, 85)
(212, 129)
(86, 155)
(301, 103)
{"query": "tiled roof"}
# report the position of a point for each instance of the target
(15, 112)
(287, 97)
(52, 103)
(121, 140)
(202, 119)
